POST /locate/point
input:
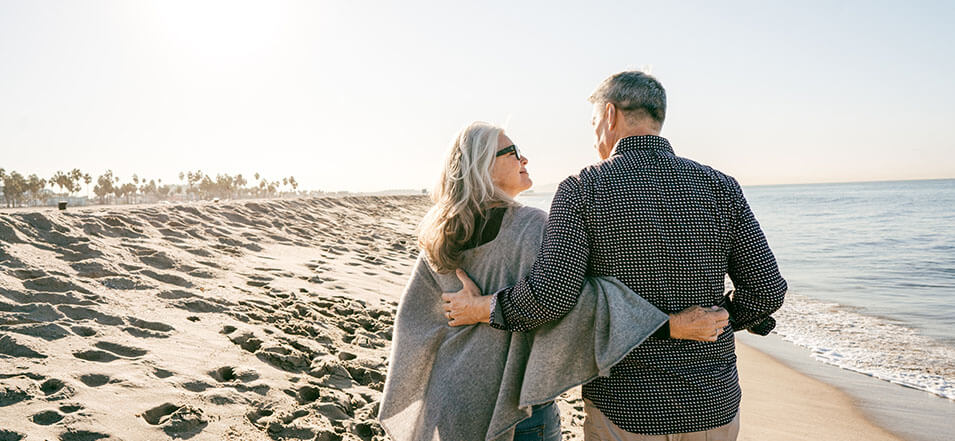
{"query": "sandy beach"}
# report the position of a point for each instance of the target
(782, 404)
(253, 321)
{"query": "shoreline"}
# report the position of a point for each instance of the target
(899, 412)
(780, 403)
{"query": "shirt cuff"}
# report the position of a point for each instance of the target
(663, 331)
(764, 327)
(497, 314)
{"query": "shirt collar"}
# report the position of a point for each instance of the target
(644, 142)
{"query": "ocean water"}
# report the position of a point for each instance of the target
(871, 272)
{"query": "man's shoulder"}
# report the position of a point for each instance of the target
(594, 173)
(706, 171)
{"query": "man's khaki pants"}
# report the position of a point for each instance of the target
(597, 427)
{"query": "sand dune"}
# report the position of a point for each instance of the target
(246, 320)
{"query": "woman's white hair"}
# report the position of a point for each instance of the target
(464, 191)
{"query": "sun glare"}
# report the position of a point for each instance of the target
(217, 29)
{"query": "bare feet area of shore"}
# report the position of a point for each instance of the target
(263, 320)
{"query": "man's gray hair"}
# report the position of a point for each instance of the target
(635, 93)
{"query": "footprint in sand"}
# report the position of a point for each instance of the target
(121, 350)
(175, 294)
(224, 374)
(92, 270)
(93, 355)
(48, 332)
(94, 380)
(160, 413)
(83, 331)
(172, 235)
(146, 329)
(201, 252)
(258, 281)
(9, 435)
(196, 386)
(199, 306)
(201, 274)
(124, 284)
(308, 394)
(69, 408)
(228, 374)
(171, 279)
(54, 386)
(83, 435)
(155, 259)
(247, 341)
(9, 346)
(46, 417)
(163, 373)
(53, 284)
(177, 421)
(82, 313)
(12, 395)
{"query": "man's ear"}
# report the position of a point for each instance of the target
(610, 112)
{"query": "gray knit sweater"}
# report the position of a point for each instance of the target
(476, 382)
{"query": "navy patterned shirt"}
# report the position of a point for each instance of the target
(670, 229)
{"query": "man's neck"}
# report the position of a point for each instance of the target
(639, 131)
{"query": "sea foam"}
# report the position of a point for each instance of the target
(875, 346)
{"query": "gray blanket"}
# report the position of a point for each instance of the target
(477, 382)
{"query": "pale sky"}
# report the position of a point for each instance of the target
(366, 95)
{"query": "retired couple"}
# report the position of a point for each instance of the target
(620, 288)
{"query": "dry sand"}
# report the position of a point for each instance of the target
(250, 321)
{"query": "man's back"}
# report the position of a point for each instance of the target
(670, 229)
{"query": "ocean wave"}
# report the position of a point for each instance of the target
(876, 346)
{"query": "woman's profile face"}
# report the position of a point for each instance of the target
(507, 171)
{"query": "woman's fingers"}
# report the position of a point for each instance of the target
(466, 282)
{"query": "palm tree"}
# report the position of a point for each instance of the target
(61, 180)
(135, 186)
(86, 180)
(104, 186)
(13, 188)
(240, 184)
(3, 178)
(35, 187)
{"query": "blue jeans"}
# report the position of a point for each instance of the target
(543, 425)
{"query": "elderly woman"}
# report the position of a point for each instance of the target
(476, 382)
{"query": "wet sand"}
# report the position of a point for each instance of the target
(781, 404)
(249, 321)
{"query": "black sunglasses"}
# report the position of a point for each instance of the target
(509, 149)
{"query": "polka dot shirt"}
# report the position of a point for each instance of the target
(671, 229)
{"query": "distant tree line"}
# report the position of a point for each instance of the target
(19, 191)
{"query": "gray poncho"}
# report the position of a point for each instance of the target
(476, 382)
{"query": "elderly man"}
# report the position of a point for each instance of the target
(670, 229)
